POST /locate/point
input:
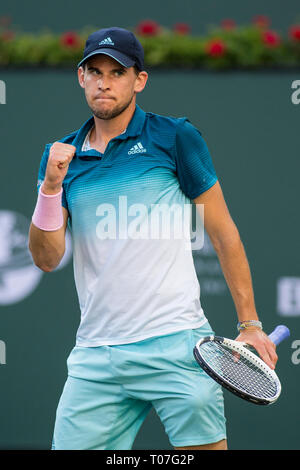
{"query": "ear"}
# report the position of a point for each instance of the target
(140, 81)
(80, 74)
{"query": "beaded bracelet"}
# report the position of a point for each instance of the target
(243, 325)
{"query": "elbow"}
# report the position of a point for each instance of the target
(46, 269)
(227, 241)
(49, 265)
(39, 263)
(45, 259)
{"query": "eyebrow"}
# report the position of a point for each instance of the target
(117, 69)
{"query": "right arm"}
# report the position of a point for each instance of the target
(48, 246)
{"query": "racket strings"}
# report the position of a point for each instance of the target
(237, 370)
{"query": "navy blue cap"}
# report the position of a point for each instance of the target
(118, 43)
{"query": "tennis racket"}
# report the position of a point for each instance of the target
(239, 370)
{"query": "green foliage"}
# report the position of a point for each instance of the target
(220, 48)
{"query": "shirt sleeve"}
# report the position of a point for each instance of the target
(195, 170)
(42, 172)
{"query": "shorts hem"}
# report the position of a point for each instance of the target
(196, 441)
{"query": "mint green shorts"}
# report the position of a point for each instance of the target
(110, 390)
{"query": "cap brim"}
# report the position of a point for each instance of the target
(118, 56)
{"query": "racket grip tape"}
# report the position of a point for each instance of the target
(280, 333)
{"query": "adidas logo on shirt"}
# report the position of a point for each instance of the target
(107, 41)
(138, 148)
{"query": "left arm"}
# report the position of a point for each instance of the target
(225, 238)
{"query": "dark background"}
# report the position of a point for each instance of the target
(69, 14)
(252, 129)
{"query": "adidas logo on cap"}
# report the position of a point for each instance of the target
(138, 148)
(107, 41)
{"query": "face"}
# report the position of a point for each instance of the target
(109, 87)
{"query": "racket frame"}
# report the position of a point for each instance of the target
(242, 349)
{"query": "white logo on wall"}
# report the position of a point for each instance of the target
(2, 352)
(296, 354)
(288, 296)
(18, 274)
(2, 92)
(295, 97)
(209, 272)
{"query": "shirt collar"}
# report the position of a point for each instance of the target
(134, 129)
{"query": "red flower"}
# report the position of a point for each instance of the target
(7, 35)
(182, 28)
(5, 21)
(70, 39)
(261, 21)
(271, 38)
(216, 48)
(228, 24)
(294, 32)
(148, 28)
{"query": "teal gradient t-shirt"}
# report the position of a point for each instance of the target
(129, 219)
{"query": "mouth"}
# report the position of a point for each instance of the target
(103, 98)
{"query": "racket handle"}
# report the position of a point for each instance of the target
(280, 333)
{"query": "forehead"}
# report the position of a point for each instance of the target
(103, 60)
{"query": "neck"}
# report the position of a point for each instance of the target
(105, 130)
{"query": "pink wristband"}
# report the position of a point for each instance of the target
(48, 214)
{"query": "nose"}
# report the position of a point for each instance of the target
(103, 83)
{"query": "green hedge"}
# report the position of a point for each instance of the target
(221, 48)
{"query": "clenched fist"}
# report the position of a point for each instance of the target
(59, 159)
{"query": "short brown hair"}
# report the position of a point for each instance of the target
(135, 67)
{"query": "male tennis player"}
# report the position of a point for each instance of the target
(138, 295)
